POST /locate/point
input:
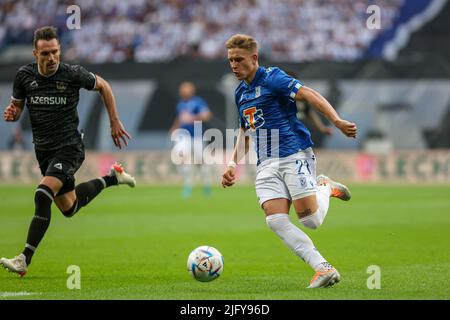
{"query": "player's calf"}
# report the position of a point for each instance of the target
(43, 199)
(85, 192)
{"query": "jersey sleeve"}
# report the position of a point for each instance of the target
(202, 106)
(282, 84)
(18, 87)
(84, 78)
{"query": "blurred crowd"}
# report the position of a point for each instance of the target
(160, 30)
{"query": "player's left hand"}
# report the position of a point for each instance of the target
(118, 132)
(348, 128)
(327, 130)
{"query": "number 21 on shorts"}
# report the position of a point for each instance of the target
(303, 167)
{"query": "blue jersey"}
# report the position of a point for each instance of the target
(268, 111)
(193, 106)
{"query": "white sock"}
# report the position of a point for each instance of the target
(295, 239)
(315, 220)
(206, 175)
(187, 174)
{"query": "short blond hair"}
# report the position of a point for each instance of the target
(242, 41)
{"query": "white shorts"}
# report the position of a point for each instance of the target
(292, 177)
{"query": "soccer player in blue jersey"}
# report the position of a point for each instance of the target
(286, 172)
(191, 108)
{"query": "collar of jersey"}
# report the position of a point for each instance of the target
(188, 100)
(255, 80)
(51, 75)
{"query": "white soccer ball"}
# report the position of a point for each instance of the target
(205, 263)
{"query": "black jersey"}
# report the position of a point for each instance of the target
(52, 103)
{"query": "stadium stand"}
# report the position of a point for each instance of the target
(430, 42)
(294, 30)
(118, 41)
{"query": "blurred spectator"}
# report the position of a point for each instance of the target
(158, 30)
(16, 142)
(192, 110)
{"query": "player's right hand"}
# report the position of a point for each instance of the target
(229, 177)
(11, 113)
(186, 117)
(118, 132)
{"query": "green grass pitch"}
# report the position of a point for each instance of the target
(133, 244)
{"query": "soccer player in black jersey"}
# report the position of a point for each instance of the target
(50, 90)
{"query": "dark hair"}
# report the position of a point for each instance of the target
(45, 33)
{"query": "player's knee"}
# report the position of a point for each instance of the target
(271, 224)
(67, 187)
(69, 213)
(310, 220)
(277, 221)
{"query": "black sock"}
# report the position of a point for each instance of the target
(28, 255)
(43, 199)
(110, 181)
(86, 192)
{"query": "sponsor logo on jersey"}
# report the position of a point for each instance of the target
(48, 100)
(61, 86)
(58, 166)
(34, 84)
(253, 117)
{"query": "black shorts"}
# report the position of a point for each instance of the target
(62, 164)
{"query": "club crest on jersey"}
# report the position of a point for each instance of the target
(61, 86)
(257, 91)
(34, 84)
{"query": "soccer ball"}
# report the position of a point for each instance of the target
(205, 263)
